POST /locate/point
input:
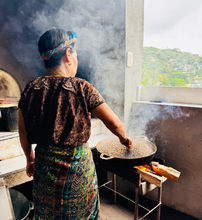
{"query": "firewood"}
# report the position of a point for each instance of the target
(151, 178)
(147, 175)
(165, 171)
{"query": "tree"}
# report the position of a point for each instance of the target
(163, 79)
(198, 72)
(168, 70)
(179, 75)
(177, 82)
(149, 77)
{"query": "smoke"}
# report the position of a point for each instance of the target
(101, 37)
(176, 112)
(154, 121)
(144, 118)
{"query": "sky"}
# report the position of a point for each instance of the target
(173, 24)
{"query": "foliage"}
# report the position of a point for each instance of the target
(177, 82)
(170, 67)
(179, 75)
(163, 79)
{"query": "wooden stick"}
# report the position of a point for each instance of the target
(168, 172)
(151, 178)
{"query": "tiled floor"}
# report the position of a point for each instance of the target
(124, 210)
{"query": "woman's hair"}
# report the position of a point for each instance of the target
(50, 40)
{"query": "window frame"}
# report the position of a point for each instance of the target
(177, 95)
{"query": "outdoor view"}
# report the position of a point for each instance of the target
(172, 54)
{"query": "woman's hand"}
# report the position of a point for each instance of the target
(30, 168)
(127, 142)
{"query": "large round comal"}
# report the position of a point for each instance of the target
(142, 151)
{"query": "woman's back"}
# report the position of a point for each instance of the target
(57, 110)
(55, 113)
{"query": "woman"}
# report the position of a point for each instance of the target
(55, 113)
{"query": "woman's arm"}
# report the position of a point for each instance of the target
(26, 146)
(112, 122)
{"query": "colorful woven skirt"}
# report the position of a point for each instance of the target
(65, 184)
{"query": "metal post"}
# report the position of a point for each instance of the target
(137, 185)
(136, 202)
(158, 213)
(114, 183)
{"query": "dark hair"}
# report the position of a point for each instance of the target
(50, 40)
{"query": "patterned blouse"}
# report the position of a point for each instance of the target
(56, 110)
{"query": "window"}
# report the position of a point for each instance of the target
(172, 57)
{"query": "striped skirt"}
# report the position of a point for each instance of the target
(65, 184)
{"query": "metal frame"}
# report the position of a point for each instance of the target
(136, 202)
(130, 174)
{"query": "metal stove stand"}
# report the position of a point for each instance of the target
(131, 175)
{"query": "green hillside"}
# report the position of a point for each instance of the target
(171, 67)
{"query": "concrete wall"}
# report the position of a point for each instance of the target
(177, 133)
(179, 142)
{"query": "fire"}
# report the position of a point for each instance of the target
(146, 168)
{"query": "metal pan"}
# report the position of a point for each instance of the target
(21, 205)
(142, 151)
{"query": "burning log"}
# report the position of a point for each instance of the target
(149, 175)
(151, 172)
(146, 168)
(167, 172)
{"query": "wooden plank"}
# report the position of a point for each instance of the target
(165, 171)
(151, 178)
(147, 187)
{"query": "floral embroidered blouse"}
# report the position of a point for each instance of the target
(57, 110)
